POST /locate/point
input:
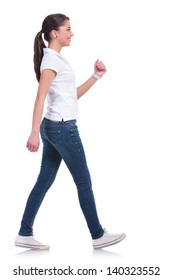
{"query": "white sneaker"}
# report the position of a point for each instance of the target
(107, 240)
(30, 242)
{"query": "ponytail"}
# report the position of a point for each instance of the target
(38, 53)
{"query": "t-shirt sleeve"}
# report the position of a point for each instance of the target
(49, 62)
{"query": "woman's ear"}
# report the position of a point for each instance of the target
(54, 34)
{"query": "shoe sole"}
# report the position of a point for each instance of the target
(103, 245)
(32, 247)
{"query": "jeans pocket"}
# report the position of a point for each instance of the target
(75, 137)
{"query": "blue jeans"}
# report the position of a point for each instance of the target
(61, 140)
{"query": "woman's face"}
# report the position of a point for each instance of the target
(64, 34)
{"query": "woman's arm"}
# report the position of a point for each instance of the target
(45, 80)
(99, 70)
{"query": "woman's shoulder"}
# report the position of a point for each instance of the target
(51, 60)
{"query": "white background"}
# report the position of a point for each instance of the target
(125, 122)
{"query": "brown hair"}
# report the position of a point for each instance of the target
(51, 22)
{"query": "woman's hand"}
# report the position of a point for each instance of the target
(99, 68)
(33, 142)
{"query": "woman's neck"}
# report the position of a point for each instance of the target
(53, 45)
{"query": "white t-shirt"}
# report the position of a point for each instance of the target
(62, 94)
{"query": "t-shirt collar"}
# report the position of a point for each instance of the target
(49, 50)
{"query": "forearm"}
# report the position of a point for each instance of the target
(37, 115)
(82, 89)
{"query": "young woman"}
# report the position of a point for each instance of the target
(59, 132)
